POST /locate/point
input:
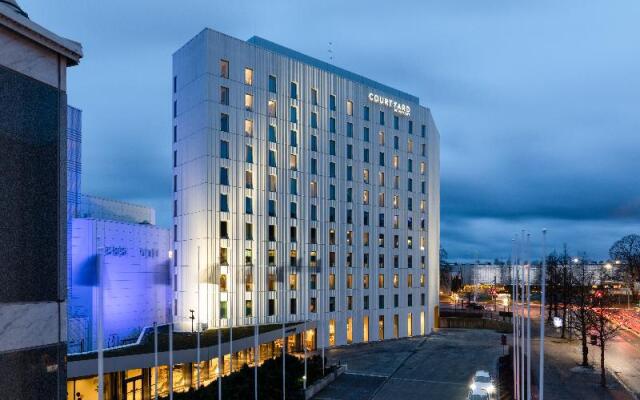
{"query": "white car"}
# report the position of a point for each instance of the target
(477, 394)
(482, 383)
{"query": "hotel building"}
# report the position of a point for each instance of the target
(302, 192)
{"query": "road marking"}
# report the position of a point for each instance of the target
(428, 381)
(358, 373)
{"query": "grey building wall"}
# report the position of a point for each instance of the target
(33, 199)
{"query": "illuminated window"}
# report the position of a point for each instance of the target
(381, 138)
(349, 238)
(248, 281)
(248, 179)
(349, 327)
(332, 281)
(381, 178)
(272, 282)
(248, 101)
(293, 281)
(272, 108)
(224, 69)
(396, 201)
(332, 332)
(247, 308)
(396, 330)
(248, 257)
(313, 188)
(224, 256)
(365, 197)
(271, 256)
(293, 258)
(273, 183)
(394, 161)
(381, 327)
(223, 309)
(365, 328)
(423, 167)
(248, 76)
(396, 281)
(381, 199)
(409, 280)
(365, 238)
(421, 280)
(365, 281)
(349, 107)
(332, 236)
(409, 322)
(349, 281)
(312, 305)
(293, 162)
(410, 145)
(381, 281)
(223, 283)
(365, 175)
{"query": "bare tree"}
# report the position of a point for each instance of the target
(627, 251)
(553, 285)
(582, 283)
(602, 327)
(566, 288)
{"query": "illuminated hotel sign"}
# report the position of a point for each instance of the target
(399, 108)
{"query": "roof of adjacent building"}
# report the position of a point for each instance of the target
(14, 18)
(287, 52)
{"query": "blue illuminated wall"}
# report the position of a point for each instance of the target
(136, 281)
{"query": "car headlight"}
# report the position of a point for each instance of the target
(490, 389)
(473, 386)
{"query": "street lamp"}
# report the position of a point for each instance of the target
(192, 317)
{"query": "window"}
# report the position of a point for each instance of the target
(224, 149)
(223, 309)
(381, 159)
(248, 179)
(293, 162)
(349, 107)
(396, 281)
(365, 134)
(293, 234)
(332, 214)
(410, 127)
(381, 138)
(273, 278)
(314, 143)
(248, 157)
(272, 208)
(365, 113)
(332, 170)
(248, 205)
(293, 90)
(293, 258)
(332, 125)
(365, 303)
(248, 101)
(381, 117)
(396, 301)
(224, 233)
(365, 281)
(248, 231)
(409, 300)
(248, 127)
(349, 307)
(273, 183)
(293, 114)
(224, 69)
(293, 281)
(314, 120)
(332, 308)
(223, 283)
(381, 301)
(332, 236)
(293, 138)
(271, 308)
(396, 122)
(224, 122)
(314, 97)
(224, 176)
(409, 280)
(248, 260)
(332, 102)
(224, 259)
(224, 203)
(224, 95)
(423, 131)
(312, 305)
(332, 281)
(349, 129)
(293, 186)
(365, 218)
(313, 189)
(293, 306)
(381, 220)
(365, 176)
(248, 76)
(175, 108)
(365, 155)
(272, 108)
(396, 142)
(380, 281)
(314, 212)
(272, 158)
(175, 134)
(273, 135)
(272, 84)
(175, 84)
(314, 166)
(272, 233)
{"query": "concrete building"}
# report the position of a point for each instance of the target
(302, 191)
(33, 231)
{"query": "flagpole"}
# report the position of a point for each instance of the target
(198, 328)
(171, 361)
(155, 357)
(543, 283)
(100, 333)
(513, 317)
(528, 316)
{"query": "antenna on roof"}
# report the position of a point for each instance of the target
(330, 51)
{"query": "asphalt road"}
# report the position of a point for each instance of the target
(439, 366)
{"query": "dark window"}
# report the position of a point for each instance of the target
(332, 102)
(272, 84)
(366, 113)
(224, 122)
(293, 90)
(381, 117)
(224, 203)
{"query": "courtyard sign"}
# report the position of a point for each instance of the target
(399, 108)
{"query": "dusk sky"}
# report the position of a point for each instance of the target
(536, 102)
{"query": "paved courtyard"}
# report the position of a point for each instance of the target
(439, 366)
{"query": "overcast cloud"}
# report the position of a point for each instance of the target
(536, 102)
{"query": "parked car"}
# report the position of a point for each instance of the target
(483, 383)
(478, 394)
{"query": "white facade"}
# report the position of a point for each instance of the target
(358, 211)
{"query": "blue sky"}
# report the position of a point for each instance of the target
(536, 102)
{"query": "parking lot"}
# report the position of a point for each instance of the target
(439, 366)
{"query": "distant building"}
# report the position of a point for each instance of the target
(33, 186)
(135, 261)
